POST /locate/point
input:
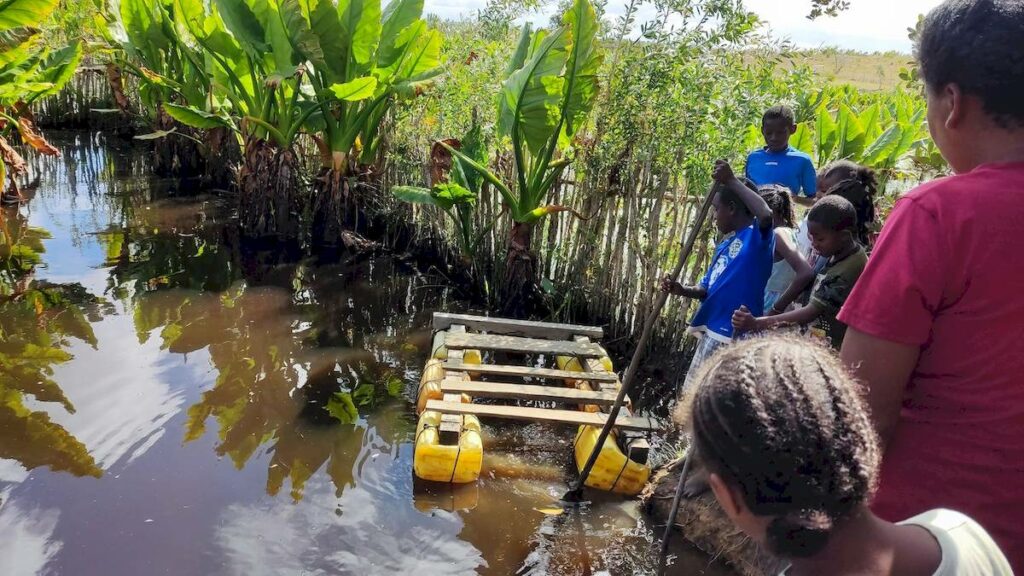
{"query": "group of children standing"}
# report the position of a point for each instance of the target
(903, 455)
(767, 271)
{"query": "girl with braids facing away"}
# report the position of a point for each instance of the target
(793, 462)
(856, 184)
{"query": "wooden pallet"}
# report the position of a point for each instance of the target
(542, 339)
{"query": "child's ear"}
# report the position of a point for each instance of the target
(792, 129)
(728, 498)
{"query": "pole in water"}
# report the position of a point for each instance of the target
(663, 553)
(575, 495)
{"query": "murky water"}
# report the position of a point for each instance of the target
(171, 403)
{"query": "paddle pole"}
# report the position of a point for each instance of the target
(663, 553)
(576, 493)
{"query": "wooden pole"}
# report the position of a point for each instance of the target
(576, 493)
(672, 515)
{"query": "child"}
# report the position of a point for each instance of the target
(740, 267)
(935, 323)
(780, 163)
(857, 184)
(790, 274)
(832, 225)
(793, 463)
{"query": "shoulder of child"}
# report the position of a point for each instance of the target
(967, 549)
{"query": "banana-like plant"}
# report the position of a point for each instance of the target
(151, 42)
(551, 87)
(29, 70)
(361, 60)
(257, 84)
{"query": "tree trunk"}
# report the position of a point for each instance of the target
(268, 203)
(521, 292)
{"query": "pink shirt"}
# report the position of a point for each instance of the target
(947, 274)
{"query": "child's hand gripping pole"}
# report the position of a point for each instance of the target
(575, 495)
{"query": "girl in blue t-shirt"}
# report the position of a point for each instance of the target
(740, 267)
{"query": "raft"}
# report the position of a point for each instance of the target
(613, 471)
(448, 443)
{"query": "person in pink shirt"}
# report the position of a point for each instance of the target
(936, 321)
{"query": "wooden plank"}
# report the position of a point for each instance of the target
(451, 425)
(525, 392)
(510, 327)
(455, 341)
(529, 372)
(573, 417)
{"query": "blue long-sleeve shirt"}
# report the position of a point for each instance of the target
(790, 168)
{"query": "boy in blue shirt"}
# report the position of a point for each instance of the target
(780, 163)
(740, 267)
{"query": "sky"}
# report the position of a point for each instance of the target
(869, 25)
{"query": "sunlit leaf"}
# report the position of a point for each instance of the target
(341, 407)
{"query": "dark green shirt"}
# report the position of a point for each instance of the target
(831, 289)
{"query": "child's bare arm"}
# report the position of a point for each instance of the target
(724, 175)
(743, 321)
(804, 275)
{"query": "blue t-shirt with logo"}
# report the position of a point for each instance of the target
(790, 168)
(737, 277)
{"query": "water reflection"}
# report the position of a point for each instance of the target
(37, 322)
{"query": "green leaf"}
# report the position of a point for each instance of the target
(155, 135)
(358, 89)
(241, 21)
(330, 35)
(398, 16)
(582, 66)
(522, 49)
(393, 385)
(300, 34)
(195, 118)
(826, 136)
(360, 20)
(341, 407)
(365, 394)
(802, 140)
(530, 97)
(448, 194)
(413, 195)
(59, 67)
(879, 152)
(15, 13)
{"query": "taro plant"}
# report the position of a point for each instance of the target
(361, 61)
(551, 86)
(257, 83)
(456, 187)
(29, 70)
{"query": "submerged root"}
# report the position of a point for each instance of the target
(268, 180)
(702, 522)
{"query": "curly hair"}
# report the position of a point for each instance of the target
(779, 199)
(976, 44)
(780, 420)
(857, 184)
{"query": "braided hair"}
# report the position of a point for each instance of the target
(779, 200)
(780, 420)
(857, 184)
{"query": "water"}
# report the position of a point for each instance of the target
(171, 403)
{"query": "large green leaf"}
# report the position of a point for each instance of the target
(584, 61)
(16, 45)
(300, 34)
(522, 49)
(530, 97)
(825, 136)
(241, 21)
(195, 118)
(16, 13)
(422, 54)
(358, 89)
(413, 195)
(802, 139)
(361, 25)
(879, 152)
(59, 67)
(449, 194)
(331, 36)
(398, 16)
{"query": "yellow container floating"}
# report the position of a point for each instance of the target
(613, 471)
(440, 352)
(457, 464)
